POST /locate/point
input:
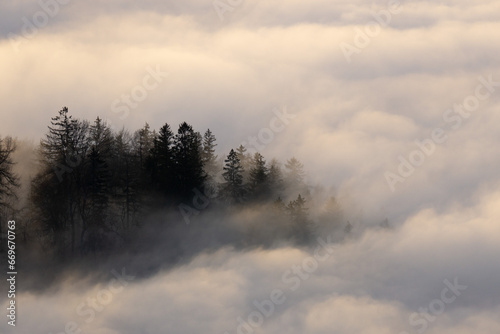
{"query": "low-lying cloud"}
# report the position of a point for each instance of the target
(433, 274)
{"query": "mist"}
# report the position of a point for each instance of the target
(390, 107)
(378, 282)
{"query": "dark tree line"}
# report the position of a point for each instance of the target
(94, 185)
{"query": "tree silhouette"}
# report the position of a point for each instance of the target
(94, 202)
(143, 142)
(245, 160)
(161, 161)
(232, 189)
(128, 179)
(103, 183)
(295, 171)
(275, 176)
(208, 155)
(64, 152)
(188, 164)
(8, 180)
(301, 226)
(259, 177)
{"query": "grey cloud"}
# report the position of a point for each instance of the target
(373, 282)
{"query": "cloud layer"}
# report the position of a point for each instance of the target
(354, 122)
(385, 281)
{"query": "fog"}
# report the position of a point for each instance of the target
(364, 126)
(375, 282)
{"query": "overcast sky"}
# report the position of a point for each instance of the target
(363, 81)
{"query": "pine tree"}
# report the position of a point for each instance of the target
(208, 154)
(94, 202)
(143, 142)
(294, 177)
(161, 161)
(276, 183)
(96, 187)
(279, 205)
(101, 138)
(64, 156)
(301, 226)
(232, 189)
(259, 177)
(188, 163)
(295, 171)
(65, 145)
(128, 179)
(332, 214)
(243, 155)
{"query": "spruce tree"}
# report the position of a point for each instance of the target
(208, 154)
(245, 160)
(232, 189)
(301, 226)
(161, 161)
(276, 183)
(188, 163)
(259, 177)
(295, 171)
(64, 157)
(143, 142)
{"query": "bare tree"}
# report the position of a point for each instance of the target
(8, 180)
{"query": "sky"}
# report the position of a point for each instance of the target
(392, 106)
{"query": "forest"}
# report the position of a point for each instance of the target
(98, 191)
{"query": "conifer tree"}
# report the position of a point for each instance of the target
(208, 154)
(127, 179)
(143, 142)
(161, 161)
(301, 226)
(188, 163)
(295, 171)
(232, 189)
(64, 156)
(259, 177)
(245, 160)
(276, 182)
